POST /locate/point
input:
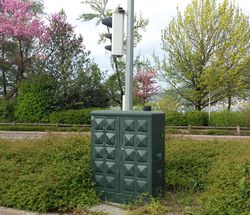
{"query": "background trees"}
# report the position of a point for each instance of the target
(145, 84)
(66, 61)
(44, 67)
(206, 48)
(20, 29)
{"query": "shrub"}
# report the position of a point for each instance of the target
(34, 100)
(218, 172)
(175, 119)
(228, 189)
(197, 118)
(227, 119)
(72, 116)
(153, 207)
(187, 164)
(7, 109)
(46, 175)
(246, 115)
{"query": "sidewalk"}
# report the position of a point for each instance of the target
(10, 211)
(105, 208)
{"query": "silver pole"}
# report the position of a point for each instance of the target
(130, 57)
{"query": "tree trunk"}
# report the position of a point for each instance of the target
(198, 105)
(3, 70)
(4, 83)
(229, 102)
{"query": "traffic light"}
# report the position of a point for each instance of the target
(116, 22)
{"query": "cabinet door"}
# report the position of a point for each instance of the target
(105, 153)
(135, 157)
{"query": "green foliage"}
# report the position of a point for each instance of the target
(3, 105)
(176, 118)
(34, 101)
(218, 172)
(7, 109)
(206, 46)
(187, 165)
(228, 119)
(72, 116)
(168, 104)
(154, 207)
(46, 174)
(229, 183)
(246, 115)
(114, 85)
(197, 118)
(77, 80)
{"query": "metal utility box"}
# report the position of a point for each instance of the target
(128, 150)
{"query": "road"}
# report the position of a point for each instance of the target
(210, 137)
(30, 134)
(36, 134)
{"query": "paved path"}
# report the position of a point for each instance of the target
(39, 134)
(30, 134)
(109, 209)
(10, 211)
(210, 137)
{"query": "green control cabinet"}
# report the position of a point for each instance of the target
(128, 150)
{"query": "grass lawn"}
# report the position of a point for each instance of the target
(53, 174)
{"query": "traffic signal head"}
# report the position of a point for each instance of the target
(116, 22)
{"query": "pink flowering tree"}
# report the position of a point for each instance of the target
(20, 28)
(145, 84)
(19, 21)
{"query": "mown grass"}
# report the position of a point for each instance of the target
(202, 177)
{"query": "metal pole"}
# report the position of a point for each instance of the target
(130, 57)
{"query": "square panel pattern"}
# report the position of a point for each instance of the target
(135, 160)
(141, 140)
(110, 124)
(127, 158)
(129, 140)
(98, 123)
(142, 125)
(129, 185)
(129, 125)
(110, 139)
(104, 149)
(98, 138)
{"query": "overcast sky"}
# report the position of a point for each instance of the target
(159, 13)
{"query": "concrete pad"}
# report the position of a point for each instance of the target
(109, 209)
(10, 211)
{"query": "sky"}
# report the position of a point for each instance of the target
(159, 13)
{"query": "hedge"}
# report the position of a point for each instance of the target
(217, 172)
(46, 174)
(72, 116)
(54, 174)
(200, 118)
(229, 119)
